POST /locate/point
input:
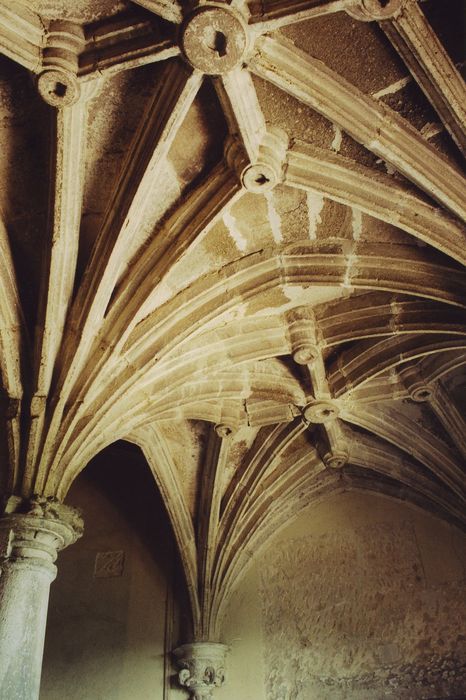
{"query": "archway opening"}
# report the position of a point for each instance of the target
(118, 602)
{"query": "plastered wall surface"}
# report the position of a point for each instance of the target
(105, 633)
(361, 598)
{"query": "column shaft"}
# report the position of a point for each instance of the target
(24, 594)
(30, 538)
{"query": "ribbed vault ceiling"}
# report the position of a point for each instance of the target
(233, 234)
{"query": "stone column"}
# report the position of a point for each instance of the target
(202, 668)
(31, 534)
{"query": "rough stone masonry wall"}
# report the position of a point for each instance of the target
(371, 605)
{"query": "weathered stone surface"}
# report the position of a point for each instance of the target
(359, 619)
(31, 535)
(234, 236)
(202, 668)
(214, 38)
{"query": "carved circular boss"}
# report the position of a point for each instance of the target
(374, 10)
(214, 39)
(320, 412)
(58, 88)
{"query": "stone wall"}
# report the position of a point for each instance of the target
(361, 598)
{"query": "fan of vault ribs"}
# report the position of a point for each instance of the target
(232, 235)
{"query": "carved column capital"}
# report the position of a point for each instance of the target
(32, 532)
(202, 668)
(374, 10)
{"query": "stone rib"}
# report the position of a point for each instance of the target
(12, 340)
(196, 214)
(366, 359)
(165, 474)
(413, 439)
(168, 9)
(443, 406)
(347, 182)
(121, 224)
(21, 34)
(66, 187)
(432, 68)
(242, 110)
(118, 46)
(208, 518)
(372, 124)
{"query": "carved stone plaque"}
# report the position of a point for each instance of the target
(109, 564)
